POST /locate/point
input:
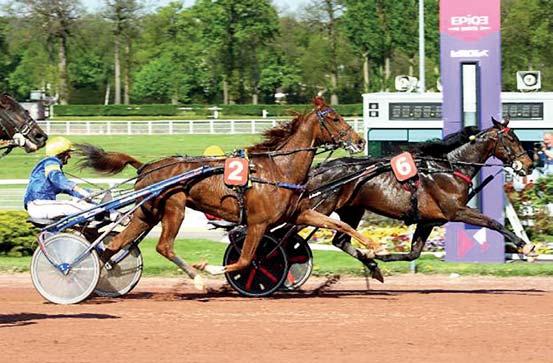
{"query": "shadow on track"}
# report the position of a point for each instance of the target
(22, 319)
(225, 294)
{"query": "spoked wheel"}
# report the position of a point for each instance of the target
(123, 276)
(266, 273)
(300, 259)
(81, 278)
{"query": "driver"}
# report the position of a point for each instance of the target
(47, 180)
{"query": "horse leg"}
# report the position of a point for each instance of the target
(253, 237)
(417, 243)
(474, 217)
(254, 234)
(134, 230)
(173, 215)
(352, 216)
(316, 219)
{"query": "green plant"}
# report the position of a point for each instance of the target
(16, 236)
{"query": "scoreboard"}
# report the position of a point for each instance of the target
(523, 110)
(414, 110)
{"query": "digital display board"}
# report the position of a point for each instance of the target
(523, 110)
(415, 111)
(433, 111)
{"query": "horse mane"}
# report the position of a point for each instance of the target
(439, 148)
(434, 148)
(275, 137)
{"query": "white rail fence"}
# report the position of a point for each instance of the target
(13, 190)
(167, 127)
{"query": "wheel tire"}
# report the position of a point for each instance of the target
(81, 279)
(266, 273)
(300, 260)
(122, 277)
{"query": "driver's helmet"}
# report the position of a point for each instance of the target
(58, 145)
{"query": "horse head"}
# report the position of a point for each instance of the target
(17, 125)
(334, 129)
(507, 147)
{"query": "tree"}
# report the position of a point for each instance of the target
(122, 13)
(233, 32)
(55, 18)
(324, 14)
(360, 25)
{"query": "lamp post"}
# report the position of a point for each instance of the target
(422, 79)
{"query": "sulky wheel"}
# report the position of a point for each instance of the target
(80, 278)
(122, 276)
(266, 273)
(300, 259)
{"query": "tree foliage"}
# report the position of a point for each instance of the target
(241, 51)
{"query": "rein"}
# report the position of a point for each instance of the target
(203, 159)
(7, 149)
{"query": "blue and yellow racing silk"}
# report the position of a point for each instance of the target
(47, 180)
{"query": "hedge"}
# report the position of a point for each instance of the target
(115, 110)
(273, 110)
(17, 238)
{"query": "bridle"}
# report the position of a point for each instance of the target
(513, 160)
(24, 131)
(336, 139)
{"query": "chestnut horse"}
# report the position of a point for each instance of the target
(285, 156)
(17, 127)
(440, 197)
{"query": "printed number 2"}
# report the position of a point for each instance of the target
(236, 171)
(236, 168)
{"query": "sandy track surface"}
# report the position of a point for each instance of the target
(410, 318)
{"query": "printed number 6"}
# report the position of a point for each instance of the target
(403, 166)
(236, 169)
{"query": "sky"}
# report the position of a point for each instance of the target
(284, 5)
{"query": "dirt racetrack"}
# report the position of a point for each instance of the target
(408, 319)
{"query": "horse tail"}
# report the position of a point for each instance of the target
(102, 161)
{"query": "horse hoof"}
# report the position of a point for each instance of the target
(214, 270)
(377, 274)
(199, 283)
(532, 258)
(528, 249)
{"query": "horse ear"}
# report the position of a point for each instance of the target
(497, 124)
(319, 102)
(506, 120)
(3, 99)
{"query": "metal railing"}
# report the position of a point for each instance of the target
(168, 127)
(13, 190)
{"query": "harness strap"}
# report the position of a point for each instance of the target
(412, 216)
(284, 185)
(463, 177)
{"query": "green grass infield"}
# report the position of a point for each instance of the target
(325, 263)
(18, 164)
